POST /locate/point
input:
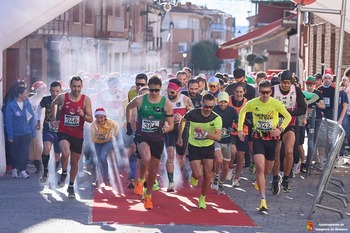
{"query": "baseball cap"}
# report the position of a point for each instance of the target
(213, 79)
(223, 96)
(310, 79)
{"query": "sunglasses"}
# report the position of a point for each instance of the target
(265, 92)
(154, 90)
(140, 84)
(212, 86)
(208, 106)
(171, 92)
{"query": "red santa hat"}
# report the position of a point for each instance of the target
(38, 85)
(100, 111)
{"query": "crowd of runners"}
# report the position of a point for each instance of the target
(196, 129)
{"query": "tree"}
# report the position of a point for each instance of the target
(203, 56)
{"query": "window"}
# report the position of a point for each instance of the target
(88, 12)
(76, 14)
(182, 47)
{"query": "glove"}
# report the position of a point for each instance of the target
(128, 129)
(158, 130)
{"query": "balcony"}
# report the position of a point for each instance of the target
(108, 26)
(54, 27)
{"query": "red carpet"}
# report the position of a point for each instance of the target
(169, 208)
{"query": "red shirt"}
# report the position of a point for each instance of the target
(71, 122)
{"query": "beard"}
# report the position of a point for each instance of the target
(172, 97)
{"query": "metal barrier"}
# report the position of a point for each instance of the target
(329, 140)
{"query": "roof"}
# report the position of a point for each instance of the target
(260, 33)
(229, 50)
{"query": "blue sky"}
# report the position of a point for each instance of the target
(240, 9)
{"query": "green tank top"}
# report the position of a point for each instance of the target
(150, 116)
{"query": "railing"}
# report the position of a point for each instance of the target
(108, 26)
(54, 27)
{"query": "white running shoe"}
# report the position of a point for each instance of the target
(236, 182)
(23, 175)
(14, 173)
(229, 174)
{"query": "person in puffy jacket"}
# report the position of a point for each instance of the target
(20, 129)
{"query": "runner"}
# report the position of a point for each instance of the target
(265, 133)
(76, 109)
(223, 148)
(49, 133)
(102, 132)
(205, 128)
(181, 104)
(293, 99)
(154, 110)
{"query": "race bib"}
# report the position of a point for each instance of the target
(70, 120)
(264, 125)
(327, 101)
(53, 129)
(225, 133)
(149, 125)
(309, 113)
(199, 136)
(101, 137)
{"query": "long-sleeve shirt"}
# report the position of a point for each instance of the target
(265, 115)
(103, 133)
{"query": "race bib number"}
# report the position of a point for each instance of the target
(264, 125)
(199, 136)
(327, 101)
(101, 137)
(309, 113)
(149, 125)
(225, 133)
(53, 129)
(70, 120)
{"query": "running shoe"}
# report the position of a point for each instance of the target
(23, 175)
(229, 174)
(71, 193)
(132, 183)
(44, 176)
(236, 182)
(286, 187)
(275, 187)
(171, 187)
(303, 167)
(263, 206)
(194, 182)
(221, 189)
(215, 184)
(148, 202)
(156, 186)
(256, 186)
(138, 190)
(252, 168)
(201, 202)
(14, 173)
(61, 182)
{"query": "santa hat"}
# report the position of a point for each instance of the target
(38, 85)
(100, 111)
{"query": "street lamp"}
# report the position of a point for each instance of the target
(184, 55)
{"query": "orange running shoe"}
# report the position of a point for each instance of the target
(138, 190)
(148, 202)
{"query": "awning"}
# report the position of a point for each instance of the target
(262, 33)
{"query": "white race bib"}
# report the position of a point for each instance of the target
(264, 125)
(149, 125)
(70, 120)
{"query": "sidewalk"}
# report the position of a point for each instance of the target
(29, 206)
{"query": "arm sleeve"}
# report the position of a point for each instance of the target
(38, 112)
(241, 116)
